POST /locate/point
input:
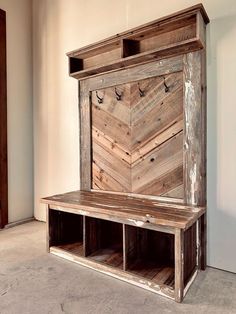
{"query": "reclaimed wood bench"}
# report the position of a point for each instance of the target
(140, 214)
(141, 241)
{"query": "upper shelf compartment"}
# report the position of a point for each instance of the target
(175, 34)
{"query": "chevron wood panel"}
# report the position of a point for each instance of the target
(138, 141)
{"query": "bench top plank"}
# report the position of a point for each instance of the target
(128, 207)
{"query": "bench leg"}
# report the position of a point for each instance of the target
(203, 241)
(179, 265)
(47, 230)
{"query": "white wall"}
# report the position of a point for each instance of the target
(20, 108)
(64, 25)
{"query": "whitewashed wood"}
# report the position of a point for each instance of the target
(163, 290)
(179, 265)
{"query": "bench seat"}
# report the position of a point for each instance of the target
(126, 209)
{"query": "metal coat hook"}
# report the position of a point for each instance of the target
(100, 100)
(118, 96)
(167, 89)
(141, 92)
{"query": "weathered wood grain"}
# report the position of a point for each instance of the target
(134, 135)
(169, 36)
(129, 208)
(85, 137)
(190, 252)
(179, 265)
(150, 140)
(162, 22)
(3, 124)
(139, 72)
(195, 131)
(149, 197)
(139, 281)
(63, 228)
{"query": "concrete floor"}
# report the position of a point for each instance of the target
(32, 281)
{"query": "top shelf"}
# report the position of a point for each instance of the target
(175, 34)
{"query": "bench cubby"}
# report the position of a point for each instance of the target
(104, 241)
(66, 231)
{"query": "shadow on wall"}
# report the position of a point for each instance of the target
(221, 147)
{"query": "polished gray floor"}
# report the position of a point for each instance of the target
(32, 281)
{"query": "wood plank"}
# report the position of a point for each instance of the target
(116, 129)
(195, 131)
(144, 196)
(180, 15)
(173, 36)
(203, 241)
(147, 123)
(168, 51)
(190, 252)
(109, 256)
(128, 208)
(98, 59)
(162, 38)
(85, 137)
(3, 124)
(177, 192)
(74, 248)
(92, 239)
(163, 290)
(48, 226)
(179, 265)
(163, 159)
(110, 166)
(143, 71)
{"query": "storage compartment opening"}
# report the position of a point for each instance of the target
(104, 242)
(66, 231)
(150, 254)
(171, 33)
(96, 57)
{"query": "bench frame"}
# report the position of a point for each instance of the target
(188, 57)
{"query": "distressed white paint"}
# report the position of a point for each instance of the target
(113, 272)
(193, 178)
(136, 222)
(190, 282)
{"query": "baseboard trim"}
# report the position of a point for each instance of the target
(19, 222)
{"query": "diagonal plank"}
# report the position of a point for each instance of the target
(147, 146)
(118, 109)
(110, 165)
(112, 127)
(154, 93)
(163, 184)
(138, 141)
(156, 119)
(158, 162)
(109, 144)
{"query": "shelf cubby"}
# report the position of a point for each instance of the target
(150, 254)
(104, 242)
(66, 231)
(168, 36)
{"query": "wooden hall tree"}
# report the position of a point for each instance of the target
(140, 213)
(3, 124)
